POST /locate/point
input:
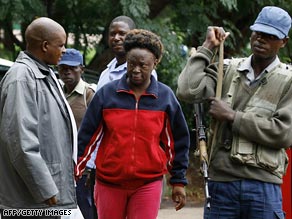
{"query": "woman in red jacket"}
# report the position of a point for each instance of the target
(144, 134)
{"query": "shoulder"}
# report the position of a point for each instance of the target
(285, 69)
(110, 65)
(234, 61)
(163, 87)
(90, 88)
(106, 71)
(107, 88)
(19, 72)
(165, 91)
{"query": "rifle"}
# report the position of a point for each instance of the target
(201, 140)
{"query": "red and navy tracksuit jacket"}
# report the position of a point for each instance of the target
(141, 138)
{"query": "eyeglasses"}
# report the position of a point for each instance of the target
(265, 36)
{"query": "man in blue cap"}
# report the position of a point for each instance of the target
(78, 94)
(247, 156)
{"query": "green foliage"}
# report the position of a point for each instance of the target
(180, 22)
(17, 10)
(229, 4)
(138, 9)
(172, 61)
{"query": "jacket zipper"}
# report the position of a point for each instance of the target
(134, 136)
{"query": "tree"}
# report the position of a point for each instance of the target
(179, 22)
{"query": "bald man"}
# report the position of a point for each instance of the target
(38, 131)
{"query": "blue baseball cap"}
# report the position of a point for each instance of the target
(273, 20)
(71, 57)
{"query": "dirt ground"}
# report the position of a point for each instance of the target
(190, 211)
(195, 196)
(195, 187)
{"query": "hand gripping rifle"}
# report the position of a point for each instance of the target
(201, 140)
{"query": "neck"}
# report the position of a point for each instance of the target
(259, 64)
(138, 89)
(69, 88)
(35, 57)
(120, 60)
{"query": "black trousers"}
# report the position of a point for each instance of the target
(92, 182)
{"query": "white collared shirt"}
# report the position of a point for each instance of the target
(246, 67)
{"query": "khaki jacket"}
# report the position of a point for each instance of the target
(261, 130)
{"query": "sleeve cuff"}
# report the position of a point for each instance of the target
(236, 122)
(205, 52)
(178, 184)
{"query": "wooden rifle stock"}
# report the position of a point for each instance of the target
(202, 148)
(200, 129)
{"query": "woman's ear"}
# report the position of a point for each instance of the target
(155, 63)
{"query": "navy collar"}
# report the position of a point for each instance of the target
(151, 90)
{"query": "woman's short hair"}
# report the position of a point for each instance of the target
(140, 38)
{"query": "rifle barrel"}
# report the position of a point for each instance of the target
(201, 140)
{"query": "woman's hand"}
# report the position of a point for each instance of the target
(179, 197)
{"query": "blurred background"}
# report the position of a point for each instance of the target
(181, 24)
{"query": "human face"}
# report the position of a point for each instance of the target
(140, 63)
(266, 46)
(116, 38)
(55, 48)
(70, 75)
